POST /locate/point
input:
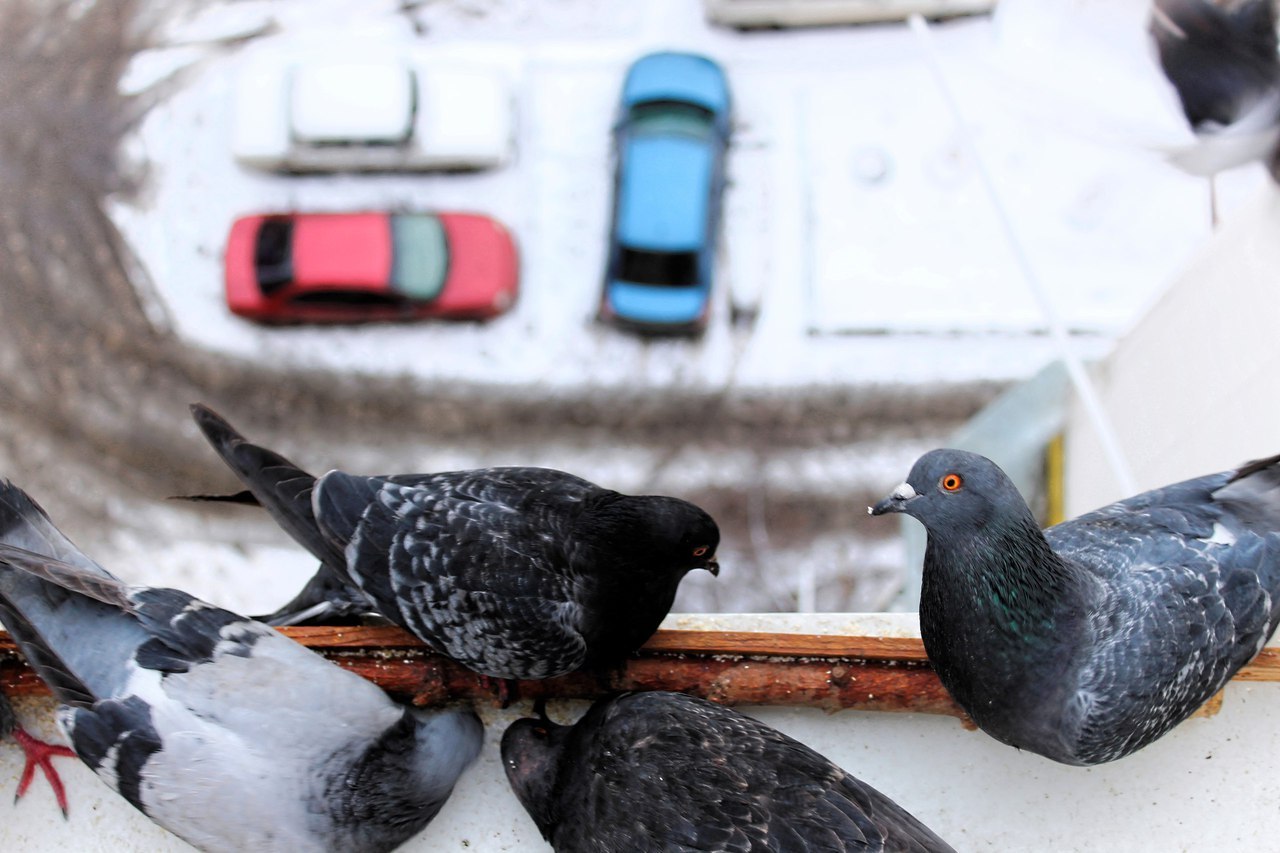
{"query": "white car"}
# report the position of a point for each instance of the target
(371, 115)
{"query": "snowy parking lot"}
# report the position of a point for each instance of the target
(883, 227)
(857, 223)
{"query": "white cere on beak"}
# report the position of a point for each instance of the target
(902, 492)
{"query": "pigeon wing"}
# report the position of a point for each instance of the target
(475, 564)
(1187, 605)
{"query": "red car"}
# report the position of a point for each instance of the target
(353, 267)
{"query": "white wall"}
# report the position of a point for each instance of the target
(1195, 387)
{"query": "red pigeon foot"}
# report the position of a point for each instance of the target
(41, 754)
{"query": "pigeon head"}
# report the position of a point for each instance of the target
(954, 491)
(405, 777)
(446, 743)
(668, 532)
(531, 753)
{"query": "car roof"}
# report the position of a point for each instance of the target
(351, 101)
(351, 250)
(665, 193)
(670, 76)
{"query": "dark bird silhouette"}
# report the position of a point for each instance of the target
(664, 771)
(1223, 64)
(1097, 636)
(218, 728)
(38, 755)
(513, 572)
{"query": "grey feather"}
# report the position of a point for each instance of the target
(1094, 638)
(514, 572)
(668, 772)
(217, 727)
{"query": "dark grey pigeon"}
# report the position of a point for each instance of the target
(218, 728)
(668, 772)
(38, 755)
(513, 572)
(1093, 638)
(1223, 63)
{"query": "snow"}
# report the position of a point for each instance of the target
(859, 245)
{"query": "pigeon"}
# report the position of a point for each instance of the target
(1224, 66)
(516, 573)
(665, 771)
(38, 755)
(1093, 638)
(218, 728)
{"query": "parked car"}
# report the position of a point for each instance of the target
(353, 267)
(321, 114)
(749, 14)
(669, 147)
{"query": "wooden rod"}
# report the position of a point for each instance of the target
(735, 668)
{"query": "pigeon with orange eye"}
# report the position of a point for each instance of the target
(1091, 639)
(516, 573)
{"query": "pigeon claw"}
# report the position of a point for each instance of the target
(41, 754)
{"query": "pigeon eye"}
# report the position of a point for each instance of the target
(700, 551)
(952, 482)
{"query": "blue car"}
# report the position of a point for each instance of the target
(669, 147)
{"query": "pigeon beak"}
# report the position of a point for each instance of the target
(713, 566)
(896, 502)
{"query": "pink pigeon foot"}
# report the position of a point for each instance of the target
(41, 754)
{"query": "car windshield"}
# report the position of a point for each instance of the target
(335, 298)
(272, 258)
(420, 255)
(671, 269)
(673, 118)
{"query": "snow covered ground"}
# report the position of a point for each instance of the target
(858, 233)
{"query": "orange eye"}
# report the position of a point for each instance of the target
(952, 482)
(700, 551)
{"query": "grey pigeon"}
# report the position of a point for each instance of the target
(668, 772)
(219, 728)
(38, 755)
(1093, 638)
(1223, 63)
(513, 572)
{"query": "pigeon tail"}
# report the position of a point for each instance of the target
(1252, 496)
(52, 670)
(25, 524)
(40, 596)
(281, 487)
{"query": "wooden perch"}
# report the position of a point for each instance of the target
(736, 668)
